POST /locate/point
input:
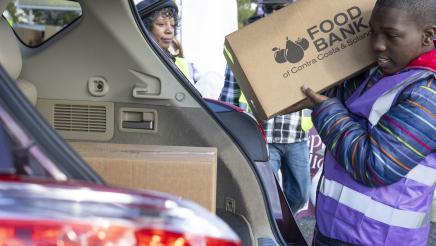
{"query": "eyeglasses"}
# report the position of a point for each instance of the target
(271, 8)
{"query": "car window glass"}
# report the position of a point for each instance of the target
(35, 21)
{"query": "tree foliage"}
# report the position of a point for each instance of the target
(12, 12)
(244, 11)
(42, 16)
(55, 18)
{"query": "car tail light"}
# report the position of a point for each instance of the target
(40, 232)
(157, 237)
(44, 214)
(45, 233)
(262, 131)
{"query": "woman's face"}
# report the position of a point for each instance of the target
(163, 30)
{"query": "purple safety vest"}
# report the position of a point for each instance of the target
(398, 214)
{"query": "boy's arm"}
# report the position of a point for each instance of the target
(230, 92)
(342, 91)
(384, 154)
(345, 89)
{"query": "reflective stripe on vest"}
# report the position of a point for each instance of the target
(184, 68)
(243, 103)
(243, 99)
(423, 174)
(402, 208)
(373, 209)
(306, 120)
(384, 103)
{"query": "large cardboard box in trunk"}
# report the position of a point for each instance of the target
(188, 172)
(311, 42)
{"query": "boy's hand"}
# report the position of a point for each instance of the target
(314, 97)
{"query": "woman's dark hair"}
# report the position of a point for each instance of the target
(166, 12)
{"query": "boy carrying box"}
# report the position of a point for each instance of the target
(380, 132)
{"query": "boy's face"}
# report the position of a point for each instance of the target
(397, 39)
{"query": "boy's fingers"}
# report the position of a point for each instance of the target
(309, 92)
(313, 96)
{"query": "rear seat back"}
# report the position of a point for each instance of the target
(10, 54)
(11, 60)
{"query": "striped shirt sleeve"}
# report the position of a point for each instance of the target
(344, 90)
(384, 154)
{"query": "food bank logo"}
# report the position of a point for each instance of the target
(330, 36)
(342, 26)
(293, 53)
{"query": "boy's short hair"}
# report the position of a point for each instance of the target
(422, 10)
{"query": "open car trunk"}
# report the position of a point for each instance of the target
(107, 90)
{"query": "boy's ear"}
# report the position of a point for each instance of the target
(429, 34)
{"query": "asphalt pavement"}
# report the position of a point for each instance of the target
(307, 224)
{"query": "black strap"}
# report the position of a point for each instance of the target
(320, 240)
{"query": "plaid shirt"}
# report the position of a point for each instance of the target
(280, 129)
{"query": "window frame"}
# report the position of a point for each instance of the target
(67, 26)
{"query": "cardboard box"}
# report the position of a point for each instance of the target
(188, 172)
(312, 42)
